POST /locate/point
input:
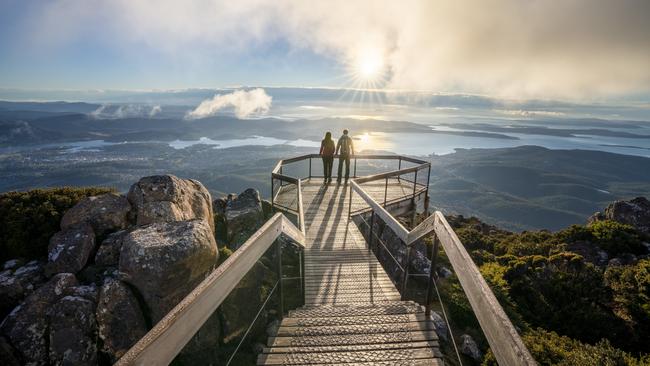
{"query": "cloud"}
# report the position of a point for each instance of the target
(244, 103)
(527, 114)
(110, 111)
(515, 48)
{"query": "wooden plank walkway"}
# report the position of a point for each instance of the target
(352, 313)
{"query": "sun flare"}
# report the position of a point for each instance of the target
(369, 65)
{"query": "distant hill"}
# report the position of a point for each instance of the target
(531, 187)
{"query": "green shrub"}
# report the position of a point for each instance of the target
(611, 236)
(616, 238)
(28, 219)
(549, 348)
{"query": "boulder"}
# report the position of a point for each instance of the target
(108, 253)
(18, 283)
(8, 355)
(166, 198)
(105, 213)
(635, 212)
(88, 292)
(469, 348)
(440, 325)
(12, 264)
(165, 261)
(244, 215)
(120, 320)
(73, 332)
(26, 327)
(70, 249)
(444, 272)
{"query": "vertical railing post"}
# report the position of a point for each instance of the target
(386, 192)
(432, 275)
(370, 228)
(298, 204)
(426, 193)
(399, 167)
(355, 168)
(406, 271)
(278, 254)
(272, 193)
(301, 270)
(415, 184)
(309, 167)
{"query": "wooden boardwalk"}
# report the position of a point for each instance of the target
(352, 313)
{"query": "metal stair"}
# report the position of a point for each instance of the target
(388, 333)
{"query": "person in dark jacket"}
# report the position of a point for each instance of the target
(327, 153)
(344, 149)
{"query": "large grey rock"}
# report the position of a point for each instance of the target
(27, 325)
(469, 347)
(70, 249)
(105, 213)
(165, 261)
(635, 212)
(18, 283)
(120, 320)
(167, 198)
(8, 354)
(108, 253)
(440, 324)
(73, 332)
(244, 215)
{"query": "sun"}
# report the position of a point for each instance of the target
(369, 65)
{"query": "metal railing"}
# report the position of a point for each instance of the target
(286, 180)
(505, 342)
(170, 335)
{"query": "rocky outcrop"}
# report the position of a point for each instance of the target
(165, 261)
(105, 213)
(73, 332)
(469, 348)
(167, 198)
(108, 253)
(70, 249)
(243, 215)
(16, 283)
(635, 212)
(120, 320)
(100, 299)
(27, 326)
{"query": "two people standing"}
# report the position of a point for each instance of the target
(344, 149)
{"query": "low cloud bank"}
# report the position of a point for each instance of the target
(244, 103)
(108, 111)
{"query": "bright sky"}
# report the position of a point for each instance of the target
(593, 49)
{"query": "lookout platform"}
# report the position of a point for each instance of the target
(353, 312)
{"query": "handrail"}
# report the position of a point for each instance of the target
(505, 342)
(167, 338)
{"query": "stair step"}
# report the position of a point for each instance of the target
(346, 357)
(389, 308)
(352, 348)
(354, 329)
(352, 320)
(354, 339)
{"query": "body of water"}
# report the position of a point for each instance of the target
(419, 144)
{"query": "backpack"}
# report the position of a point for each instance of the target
(344, 141)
